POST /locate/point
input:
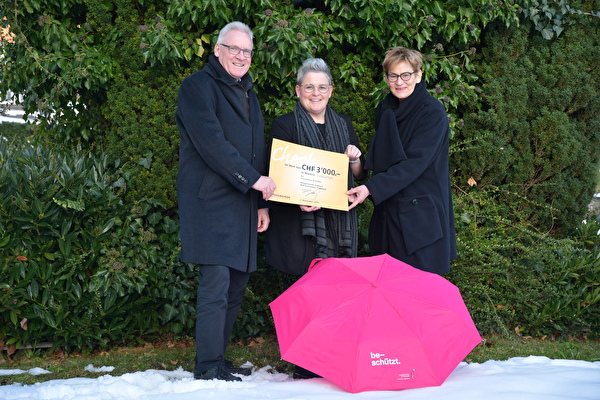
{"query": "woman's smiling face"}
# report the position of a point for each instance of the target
(314, 101)
(400, 88)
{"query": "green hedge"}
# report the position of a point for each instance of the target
(78, 267)
(515, 279)
(81, 269)
(14, 131)
(86, 259)
(536, 133)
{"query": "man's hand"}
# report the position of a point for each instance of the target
(266, 186)
(357, 195)
(263, 219)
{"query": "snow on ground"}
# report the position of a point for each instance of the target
(519, 378)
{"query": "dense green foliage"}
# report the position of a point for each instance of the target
(516, 279)
(138, 114)
(85, 253)
(537, 131)
(96, 62)
(14, 131)
(78, 267)
(524, 168)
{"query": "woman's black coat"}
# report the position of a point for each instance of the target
(286, 249)
(413, 218)
(222, 154)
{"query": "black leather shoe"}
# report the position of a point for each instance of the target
(237, 370)
(219, 372)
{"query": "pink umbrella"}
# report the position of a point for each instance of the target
(374, 323)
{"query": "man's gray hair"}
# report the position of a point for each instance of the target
(234, 26)
(313, 65)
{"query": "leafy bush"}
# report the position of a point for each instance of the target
(526, 263)
(13, 131)
(537, 137)
(516, 279)
(78, 267)
(82, 260)
(571, 308)
(139, 118)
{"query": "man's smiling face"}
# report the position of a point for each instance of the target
(236, 65)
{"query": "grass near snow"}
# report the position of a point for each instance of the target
(170, 355)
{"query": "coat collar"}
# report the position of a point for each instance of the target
(407, 106)
(218, 72)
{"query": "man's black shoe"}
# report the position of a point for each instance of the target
(219, 372)
(237, 370)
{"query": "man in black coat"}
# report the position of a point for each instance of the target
(221, 186)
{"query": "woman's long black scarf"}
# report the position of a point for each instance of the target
(335, 232)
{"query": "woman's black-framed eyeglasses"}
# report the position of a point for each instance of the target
(404, 76)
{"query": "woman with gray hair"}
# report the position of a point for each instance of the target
(298, 234)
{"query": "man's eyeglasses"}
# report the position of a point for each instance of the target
(309, 88)
(404, 76)
(236, 50)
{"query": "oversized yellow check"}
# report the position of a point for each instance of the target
(308, 176)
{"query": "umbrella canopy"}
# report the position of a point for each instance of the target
(374, 323)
